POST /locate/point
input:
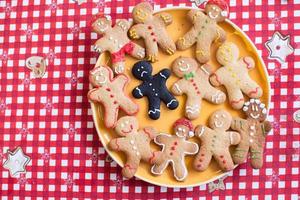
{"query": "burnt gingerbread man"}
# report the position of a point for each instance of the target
(174, 149)
(253, 132)
(153, 87)
(205, 30)
(115, 40)
(109, 91)
(134, 143)
(215, 141)
(195, 84)
(152, 28)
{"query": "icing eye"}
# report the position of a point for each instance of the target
(217, 116)
(122, 125)
(256, 108)
(142, 67)
(179, 129)
(252, 107)
(183, 130)
(223, 115)
(262, 105)
(245, 108)
(247, 103)
(264, 111)
(126, 122)
(139, 70)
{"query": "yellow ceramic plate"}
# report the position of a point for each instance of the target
(180, 26)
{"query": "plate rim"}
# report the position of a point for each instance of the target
(224, 173)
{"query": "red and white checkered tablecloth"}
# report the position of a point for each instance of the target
(50, 118)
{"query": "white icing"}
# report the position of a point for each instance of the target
(154, 111)
(144, 72)
(205, 71)
(177, 87)
(255, 116)
(218, 124)
(168, 104)
(162, 75)
(184, 68)
(201, 132)
(139, 90)
(192, 109)
(212, 16)
(231, 137)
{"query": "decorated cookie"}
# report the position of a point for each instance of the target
(152, 28)
(195, 84)
(109, 91)
(205, 29)
(234, 75)
(153, 87)
(115, 40)
(253, 132)
(215, 141)
(174, 149)
(134, 143)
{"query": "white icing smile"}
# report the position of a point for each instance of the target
(212, 16)
(101, 79)
(184, 68)
(144, 72)
(255, 116)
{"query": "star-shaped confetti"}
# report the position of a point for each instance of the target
(279, 47)
(16, 162)
(198, 2)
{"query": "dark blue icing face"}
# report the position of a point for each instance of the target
(142, 70)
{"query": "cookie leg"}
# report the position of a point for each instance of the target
(202, 159)
(252, 89)
(179, 168)
(137, 51)
(110, 115)
(235, 96)
(224, 160)
(167, 44)
(118, 67)
(128, 106)
(130, 167)
(203, 50)
(151, 50)
(154, 108)
(240, 153)
(193, 107)
(169, 100)
(256, 157)
(159, 167)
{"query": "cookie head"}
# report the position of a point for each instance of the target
(217, 10)
(126, 125)
(227, 53)
(142, 70)
(220, 119)
(142, 12)
(255, 109)
(99, 76)
(184, 65)
(101, 24)
(183, 128)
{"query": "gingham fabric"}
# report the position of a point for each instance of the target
(51, 120)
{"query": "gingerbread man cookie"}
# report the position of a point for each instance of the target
(195, 84)
(253, 132)
(109, 92)
(174, 149)
(234, 75)
(205, 30)
(115, 40)
(153, 87)
(152, 28)
(134, 143)
(215, 141)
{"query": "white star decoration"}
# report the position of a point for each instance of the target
(16, 162)
(279, 47)
(198, 2)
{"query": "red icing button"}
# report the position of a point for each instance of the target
(173, 148)
(202, 154)
(111, 95)
(154, 40)
(198, 92)
(171, 154)
(194, 84)
(200, 160)
(221, 156)
(224, 161)
(108, 89)
(199, 166)
(115, 102)
(150, 27)
(175, 143)
(152, 33)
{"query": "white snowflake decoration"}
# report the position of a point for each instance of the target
(28, 32)
(279, 47)
(4, 57)
(26, 81)
(69, 182)
(46, 156)
(24, 131)
(53, 6)
(73, 79)
(100, 5)
(16, 162)
(3, 106)
(51, 56)
(274, 177)
(75, 30)
(48, 105)
(7, 9)
(94, 157)
(71, 131)
(22, 180)
(276, 20)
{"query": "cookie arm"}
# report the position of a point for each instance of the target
(216, 79)
(137, 31)
(220, 35)
(266, 127)
(138, 92)
(191, 148)
(165, 18)
(121, 80)
(178, 87)
(187, 40)
(150, 132)
(201, 130)
(238, 124)
(165, 73)
(93, 95)
(116, 144)
(161, 139)
(247, 62)
(101, 45)
(234, 137)
(124, 25)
